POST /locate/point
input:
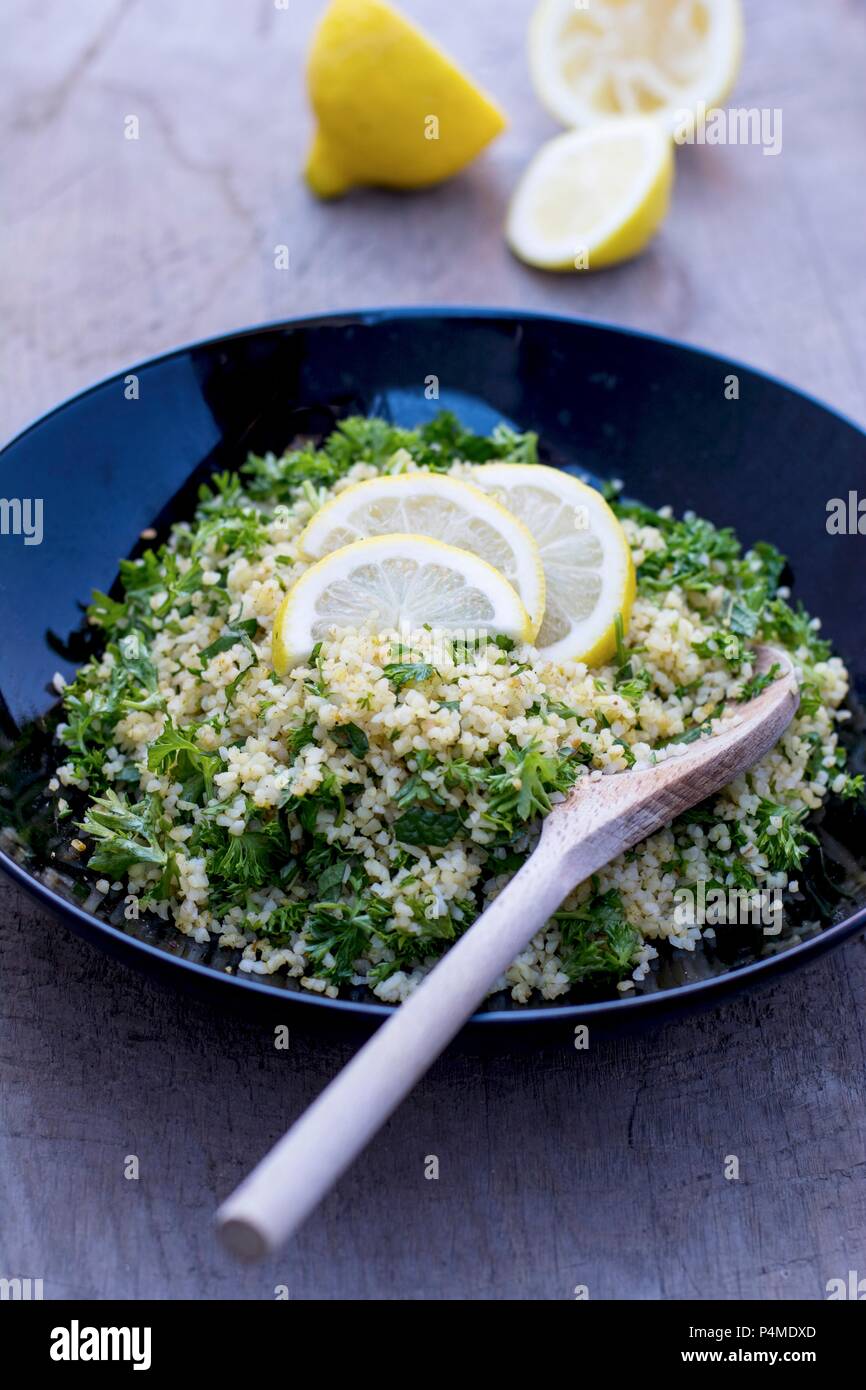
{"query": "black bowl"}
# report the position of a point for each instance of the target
(677, 425)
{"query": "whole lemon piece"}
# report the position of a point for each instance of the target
(392, 108)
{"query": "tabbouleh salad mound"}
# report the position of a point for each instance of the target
(347, 823)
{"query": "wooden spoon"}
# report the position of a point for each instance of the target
(600, 819)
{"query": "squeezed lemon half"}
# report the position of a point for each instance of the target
(612, 58)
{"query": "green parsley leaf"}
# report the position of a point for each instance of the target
(423, 827)
(242, 632)
(401, 673)
(597, 939)
(351, 737)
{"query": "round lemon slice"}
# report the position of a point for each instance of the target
(430, 504)
(391, 106)
(592, 198)
(398, 583)
(586, 557)
(608, 58)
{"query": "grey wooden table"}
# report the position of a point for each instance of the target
(557, 1168)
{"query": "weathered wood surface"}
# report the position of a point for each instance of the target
(557, 1167)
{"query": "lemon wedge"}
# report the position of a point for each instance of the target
(592, 198)
(613, 58)
(431, 504)
(586, 557)
(392, 108)
(399, 583)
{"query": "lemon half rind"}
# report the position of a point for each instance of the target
(630, 222)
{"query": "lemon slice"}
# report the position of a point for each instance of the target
(586, 557)
(591, 198)
(391, 107)
(398, 583)
(430, 504)
(613, 58)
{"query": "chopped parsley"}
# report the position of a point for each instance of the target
(419, 826)
(351, 737)
(759, 683)
(597, 939)
(520, 785)
(176, 754)
(401, 673)
(127, 833)
(239, 632)
(782, 836)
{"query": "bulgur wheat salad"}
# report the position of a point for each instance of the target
(346, 822)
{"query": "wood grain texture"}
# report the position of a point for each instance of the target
(557, 1167)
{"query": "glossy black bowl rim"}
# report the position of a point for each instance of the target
(626, 1008)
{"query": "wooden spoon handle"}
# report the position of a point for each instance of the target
(292, 1179)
